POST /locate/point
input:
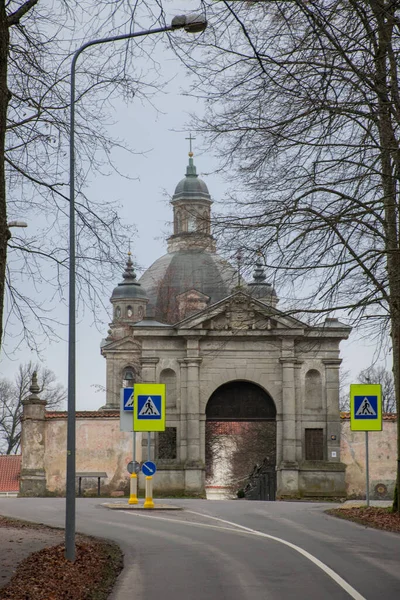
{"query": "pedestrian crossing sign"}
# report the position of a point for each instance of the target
(149, 407)
(128, 398)
(365, 407)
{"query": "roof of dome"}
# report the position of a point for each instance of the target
(129, 287)
(259, 287)
(191, 186)
(178, 272)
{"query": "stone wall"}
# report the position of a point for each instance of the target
(382, 447)
(101, 446)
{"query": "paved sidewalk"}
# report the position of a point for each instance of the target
(16, 544)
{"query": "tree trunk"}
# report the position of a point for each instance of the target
(390, 168)
(4, 99)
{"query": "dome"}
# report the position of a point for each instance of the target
(191, 275)
(129, 287)
(178, 272)
(191, 186)
(125, 290)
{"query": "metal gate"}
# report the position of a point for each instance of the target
(261, 484)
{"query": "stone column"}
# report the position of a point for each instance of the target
(183, 410)
(299, 409)
(194, 466)
(113, 383)
(332, 409)
(193, 411)
(288, 473)
(289, 411)
(33, 435)
(149, 369)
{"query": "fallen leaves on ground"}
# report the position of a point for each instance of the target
(48, 575)
(371, 516)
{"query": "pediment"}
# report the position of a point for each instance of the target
(190, 302)
(194, 294)
(240, 312)
(125, 344)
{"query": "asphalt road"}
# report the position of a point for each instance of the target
(237, 550)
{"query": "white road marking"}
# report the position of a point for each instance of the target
(327, 570)
(330, 572)
(172, 520)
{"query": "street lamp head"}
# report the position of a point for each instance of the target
(190, 23)
(17, 224)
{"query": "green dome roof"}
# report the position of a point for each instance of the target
(178, 272)
(129, 287)
(191, 186)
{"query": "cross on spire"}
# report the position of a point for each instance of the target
(190, 138)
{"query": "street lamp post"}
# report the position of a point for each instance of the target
(191, 24)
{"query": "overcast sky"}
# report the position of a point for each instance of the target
(160, 137)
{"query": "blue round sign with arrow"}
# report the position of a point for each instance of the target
(148, 468)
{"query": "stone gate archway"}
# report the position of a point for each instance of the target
(240, 433)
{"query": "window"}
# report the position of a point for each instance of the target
(314, 442)
(178, 222)
(205, 222)
(129, 311)
(118, 312)
(166, 448)
(191, 223)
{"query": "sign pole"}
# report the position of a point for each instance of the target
(366, 415)
(148, 416)
(133, 483)
(367, 466)
(148, 501)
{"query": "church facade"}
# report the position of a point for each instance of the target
(227, 354)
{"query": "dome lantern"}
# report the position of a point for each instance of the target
(129, 298)
(192, 213)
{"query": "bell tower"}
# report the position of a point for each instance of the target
(191, 204)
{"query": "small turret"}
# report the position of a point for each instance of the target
(129, 299)
(259, 288)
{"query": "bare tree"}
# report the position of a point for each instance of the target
(380, 375)
(344, 390)
(13, 393)
(304, 108)
(37, 40)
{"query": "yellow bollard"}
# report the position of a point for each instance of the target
(148, 502)
(133, 490)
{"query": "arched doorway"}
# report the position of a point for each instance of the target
(240, 440)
